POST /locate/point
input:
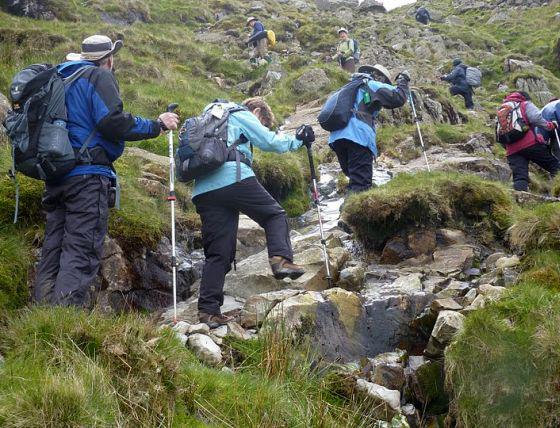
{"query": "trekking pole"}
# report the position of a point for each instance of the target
(418, 128)
(316, 202)
(172, 198)
(556, 153)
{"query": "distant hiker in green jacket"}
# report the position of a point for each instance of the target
(347, 52)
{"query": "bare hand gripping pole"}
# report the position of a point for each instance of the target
(411, 100)
(172, 198)
(316, 202)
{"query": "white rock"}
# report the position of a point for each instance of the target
(237, 332)
(507, 262)
(182, 327)
(199, 328)
(479, 302)
(448, 324)
(221, 331)
(389, 396)
(471, 295)
(491, 292)
(182, 338)
(205, 349)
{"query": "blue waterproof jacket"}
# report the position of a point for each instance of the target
(244, 123)
(458, 77)
(93, 102)
(550, 112)
(257, 29)
(360, 132)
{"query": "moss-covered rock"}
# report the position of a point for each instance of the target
(428, 200)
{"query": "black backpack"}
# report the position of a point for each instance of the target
(339, 107)
(36, 125)
(203, 143)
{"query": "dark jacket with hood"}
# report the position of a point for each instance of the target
(458, 77)
(534, 118)
(93, 103)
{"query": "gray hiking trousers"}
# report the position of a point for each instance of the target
(77, 213)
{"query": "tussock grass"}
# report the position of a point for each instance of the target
(15, 261)
(504, 367)
(536, 228)
(66, 367)
(428, 199)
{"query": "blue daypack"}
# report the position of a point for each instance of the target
(339, 107)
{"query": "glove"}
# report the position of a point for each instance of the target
(555, 124)
(403, 75)
(305, 134)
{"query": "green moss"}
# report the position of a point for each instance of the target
(504, 367)
(424, 199)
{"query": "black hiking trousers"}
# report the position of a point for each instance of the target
(356, 162)
(466, 94)
(77, 212)
(219, 211)
(519, 164)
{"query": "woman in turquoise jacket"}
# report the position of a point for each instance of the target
(220, 196)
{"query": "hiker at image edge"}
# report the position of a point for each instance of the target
(77, 204)
(347, 51)
(525, 132)
(224, 191)
(258, 42)
(349, 115)
(422, 15)
(459, 84)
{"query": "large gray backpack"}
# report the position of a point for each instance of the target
(203, 144)
(474, 77)
(36, 124)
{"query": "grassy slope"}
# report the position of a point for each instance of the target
(64, 367)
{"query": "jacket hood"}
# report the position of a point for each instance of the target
(70, 67)
(515, 97)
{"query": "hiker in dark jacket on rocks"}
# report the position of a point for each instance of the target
(258, 40)
(459, 85)
(355, 144)
(77, 206)
(532, 147)
(422, 15)
(221, 195)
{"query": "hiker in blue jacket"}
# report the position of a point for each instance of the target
(422, 15)
(258, 40)
(459, 85)
(355, 144)
(221, 195)
(551, 113)
(77, 206)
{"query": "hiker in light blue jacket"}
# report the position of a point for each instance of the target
(355, 144)
(221, 195)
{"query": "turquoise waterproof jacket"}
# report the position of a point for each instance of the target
(244, 123)
(357, 130)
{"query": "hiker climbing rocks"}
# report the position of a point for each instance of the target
(422, 15)
(258, 41)
(459, 85)
(517, 119)
(347, 52)
(551, 112)
(221, 194)
(77, 205)
(349, 115)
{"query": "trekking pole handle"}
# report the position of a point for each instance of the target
(171, 107)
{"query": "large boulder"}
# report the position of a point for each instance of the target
(334, 321)
(38, 9)
(311, 82)
(257, 307)
(253, 275)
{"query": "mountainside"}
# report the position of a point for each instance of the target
(445, 308)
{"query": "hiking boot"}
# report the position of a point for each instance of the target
(214, 321)
(283, 268)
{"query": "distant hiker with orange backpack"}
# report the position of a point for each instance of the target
(347, 52)
(517, 119)
(258, 41)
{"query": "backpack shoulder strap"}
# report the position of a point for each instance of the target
(76, 75)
